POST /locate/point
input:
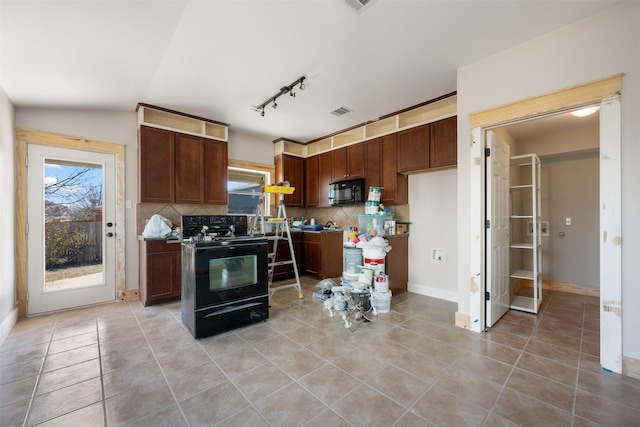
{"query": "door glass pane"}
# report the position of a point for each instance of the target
(73, 194)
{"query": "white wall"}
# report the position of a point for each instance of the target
(592, 49)
(249, 147)
(121, 127)
(110, 126)
(8, 310)
(433, 212)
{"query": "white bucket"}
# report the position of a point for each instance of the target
(374, 259)
(365, 277)
(382, 301)
(351, 276)
(352, 259)
(382, 283)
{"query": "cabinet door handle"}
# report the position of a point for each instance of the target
(109, 234)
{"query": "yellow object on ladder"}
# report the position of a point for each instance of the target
(282, 232)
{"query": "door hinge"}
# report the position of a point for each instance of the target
(26, 161)
(487, 223)
(487, 152)
(27, 228)
(487, 296)
(27, 296)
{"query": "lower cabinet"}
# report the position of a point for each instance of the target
(160, 271)
(323, 254)
(397, 261)
(283, 272)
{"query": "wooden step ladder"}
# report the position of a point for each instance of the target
(282, 233)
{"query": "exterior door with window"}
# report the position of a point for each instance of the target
(71, 228)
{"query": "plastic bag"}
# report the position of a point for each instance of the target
(158, 227)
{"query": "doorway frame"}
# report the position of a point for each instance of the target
(24, 137)
(598, 92)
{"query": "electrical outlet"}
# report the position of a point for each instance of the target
(567, 221)
(437, 255)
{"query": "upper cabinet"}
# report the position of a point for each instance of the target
(215, 172)
(444, 143)
(381, 170)
(413, 149)
(311, 186)
(185, 166)
(325, 166)
(348, 162)
(291, 168)
(433, 145)
(156, 160)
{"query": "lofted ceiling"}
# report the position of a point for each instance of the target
(218, 59)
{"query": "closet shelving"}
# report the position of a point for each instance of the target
(525, 245)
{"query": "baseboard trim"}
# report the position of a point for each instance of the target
(7, 324)
(433, 292)
(552, 285)
(631, 367)
(463, 320)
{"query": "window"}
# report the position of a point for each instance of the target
(243, 186)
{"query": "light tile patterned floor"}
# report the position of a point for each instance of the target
(123, 364)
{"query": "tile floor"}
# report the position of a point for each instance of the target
(123, 364)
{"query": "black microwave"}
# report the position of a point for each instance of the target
(347, 192)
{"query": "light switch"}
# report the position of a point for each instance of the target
(567, 221)
(128, 204)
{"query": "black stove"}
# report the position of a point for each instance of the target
(224, 274)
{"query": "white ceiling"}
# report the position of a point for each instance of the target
(217, 59)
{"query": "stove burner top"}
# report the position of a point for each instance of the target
(219, 225)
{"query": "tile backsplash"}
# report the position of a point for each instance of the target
(344, 216)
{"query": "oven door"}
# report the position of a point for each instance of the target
(230, 272)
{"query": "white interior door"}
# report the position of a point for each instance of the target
(71, 228)
(497, 240)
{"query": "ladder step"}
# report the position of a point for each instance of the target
(275, 264)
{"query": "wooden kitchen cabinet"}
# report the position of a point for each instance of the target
(283, 272)
(291, 168)
(325, 166)
(156, 160)
(160, 271)
(189, 169)
(397, 263)
(311, 187)
(381, 171)
(413, 149)
(444, 143)
(215, 172)
(433, 145)
(347, 162)
(323, 254)
(181, 168)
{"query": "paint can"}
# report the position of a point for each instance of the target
(352, 259)
(382, 301)
(375, 194)
(371, 207)
(381, 283)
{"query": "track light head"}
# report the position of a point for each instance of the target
(262, 113)
(301, 86)
(292, 94)
(274, 104)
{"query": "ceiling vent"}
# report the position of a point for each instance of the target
(358, 5)
(340, 111)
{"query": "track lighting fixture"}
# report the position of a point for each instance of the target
(284, 89)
